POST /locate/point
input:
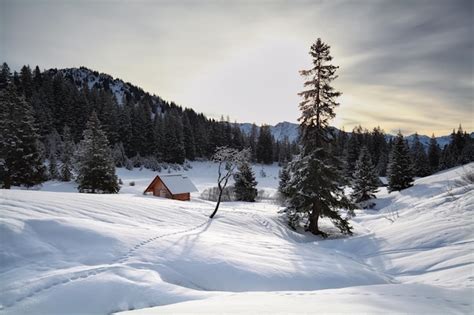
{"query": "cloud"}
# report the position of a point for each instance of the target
(403, 64)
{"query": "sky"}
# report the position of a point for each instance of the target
(404, 65)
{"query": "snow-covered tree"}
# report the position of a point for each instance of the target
(21, 160)
(315, 175)
(420, 159)
(228, 159)
(96, 167)
(400, 174)
(5, 75)
(118, 153)
(284, 178)
(434, 154)
(53, 143)
(67, 154)
(265, 145)
(365, 180)
(245, 183)
(53, 170)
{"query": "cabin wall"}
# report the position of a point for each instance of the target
(160, 190)
(182, 197)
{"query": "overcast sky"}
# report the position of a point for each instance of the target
(404, 65)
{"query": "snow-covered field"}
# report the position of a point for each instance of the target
(62, 252)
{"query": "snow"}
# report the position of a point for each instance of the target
(64, 252)
(178, 183)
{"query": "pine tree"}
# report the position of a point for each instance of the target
(67, 152)
(53, 167)
(188, 139)
(434, 153)
(365, 180)
(245, 183)
(252, 142)
(21, 159)
(284, 176)
(315, 190)
(96, 168)
(173, 146)
(264, 145)
(5, 76)
(420, 159)
(53, 143)
(400, 175)
(352, 151)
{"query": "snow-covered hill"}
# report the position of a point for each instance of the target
(93, 79)
(64, 252)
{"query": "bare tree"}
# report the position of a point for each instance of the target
(228, 159)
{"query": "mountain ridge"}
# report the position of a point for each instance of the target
(123, 90)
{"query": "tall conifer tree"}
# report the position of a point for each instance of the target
(245, 183)
(365, 179)
(96, 167)
(21, 160)
(314, 185)
(434, 153)
(400, 174)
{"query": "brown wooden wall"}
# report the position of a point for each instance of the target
(182, 197)
(160, 190)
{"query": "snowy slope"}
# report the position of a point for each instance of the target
(64, 252)
(93, 79)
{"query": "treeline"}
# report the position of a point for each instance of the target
(423, 161)
(143, 130)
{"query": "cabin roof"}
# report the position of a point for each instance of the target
(176, 183)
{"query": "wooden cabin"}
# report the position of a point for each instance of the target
(175, 186)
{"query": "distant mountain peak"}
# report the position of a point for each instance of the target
(291, 130)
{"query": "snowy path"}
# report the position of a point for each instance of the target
(68, 276)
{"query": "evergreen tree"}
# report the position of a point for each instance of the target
(365, 179)
(264, 145)
(21, 159)
(400, 175)
(5, 76)
(420, 159)
(314, 185)
(53, 144)
(125, 129)
(352, 151)
(173, 146)
(96, 168)
(188, 139)
(434, 153)
(53, 167)
(379, 151)
(67, 153)
(26, 78)
(284, 179)
(382, 164)
(245, 183)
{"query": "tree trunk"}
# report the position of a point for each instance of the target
(7, 182)
(314, 219)
(218, 203)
